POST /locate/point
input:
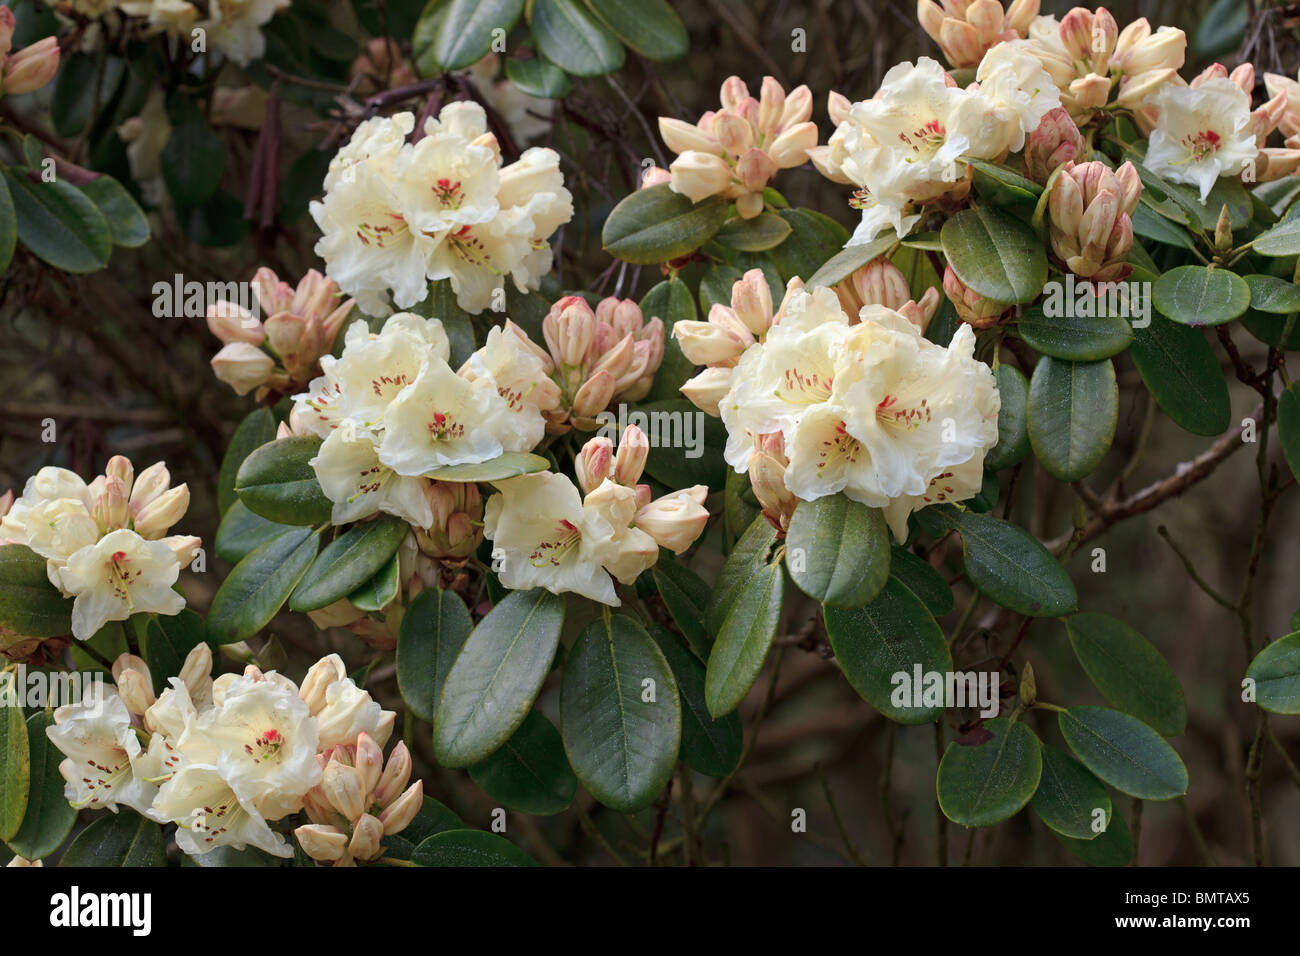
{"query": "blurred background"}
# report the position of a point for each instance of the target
(88, 353)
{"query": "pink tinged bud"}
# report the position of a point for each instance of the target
(322, 842)
(370, 761)
(1136, 90)
(617, 359)
(960, 43)
(633, 450)
(148, 485)
(733, 133)
(31, 67)
(767, 477)
(344, 788)
(698, 175)
(396, 774)
(272, 294)
(655, 176)
(196, 672)
(1091, 91)
(136, 692)
(798, 107)
(1165, 49)
(1076, 33)
(366, 834)
(1055, 141)
(153, 520)
(707, 389)
(315, 297)
(129, 662)
(972, 308)
(569, 329)
(756, 169)
(595, 395)
(1065, 204)
(920, 313)
(1105, 33)
(231, 322)
(1244, 77)
(119, 466)
(791, 147)
(109, 497)
(1098, 221)
(751, 301)
(319, 677)
(593, 463)
(931, 17)
(734, 91)
(183, 546)
(1020, 15)
(1131, 185)
(675, 520)
(839, 106)
(680, 136)
(708, 343)
(749, 205)
(1128, 38)
(398, 815)
(986, 17)
(242, 366)
(7, 24)
(548, 364)
(771, 104)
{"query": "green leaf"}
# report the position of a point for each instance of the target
(1013, 419)
(529, 772)
(917, 575)
(1075, 338)
(621, 733)
(463, 30)
(509, 465)
(1181, 371)
(747, 558)
(257, 428)
(671, 301)
(126, 220)
(1151, 225)
(1113, 847)
(1004, 188)
(1008, 565)
(1069, 795)
(687, 598)
(990, 782)
(648, 27)
(441, 304)
(1282, 240)
(259, 585)
(278, 482)
(850, 259)
(686, 446)
(380, 589)
(710, 745)
(1221, 29)
(348, 562)
(1276, 673)
(1124, 752)
(241, 531)
(168, 640)
(837, 550)
(29, 604)
(743, 639)
(568, 35)
(117, 840)
(1073, 408)
(49, 816)
(813, 240)
(434, 629)
(1195, 295)
(893, 635)
(15, 759)
(496, 677)
(655, 225)
(469, 848)
(538, 77)
(995, 254)
(1130, 673)
(59, 224)
(1273, 295)
(8, 226)
(194, 158)
(1288, 426)
(765, 231)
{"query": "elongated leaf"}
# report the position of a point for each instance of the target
(168, 640)
(1069, 796)
(496, 677)
(851, 258)
(434, 629)
(1274, 295)
(241, 531)
(126, 220)
(709, 745)
(1130, 673)
(1005, 188)
(194, 158)
(257, 428)
(687, 598)
(882, 646)
(837, 551)
(260, 584)
(1179, 368)
(1282, 240)
(747, 558)
(1288, 426)
(49, 816)
(529, 772)
(538, 77)
(620, 714)
(1075, 338)
(380, 589)
(671, 301)
(1276, 673)
(277, 481)
(469, 848)
(1195, 295)
(116, 840)
(1009, 565)
(995, 254)
(570, 36)
(465, 30)
(15, 759)
(813, 240)
(992, 781)
(59, 224)
(1124, 752)
(649, 27)
(29, 604)
(348, 562)
(1013, 420)
(1150, 225)
(1073, 409)
(917, 575)
(764, 231)
(656, 224)
(509, 465)
(743, 640)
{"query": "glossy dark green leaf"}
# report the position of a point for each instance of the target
(59, 224)
(710, 745)
(837, 550)
(987, 783)
(648, 27)
(49, 816)
(538, 77)
(655, 225)
(1130, 673)
(1013, 419)
(1114, 847)
(686, 445)
(919, 577)
(814, 239)
(1004, 188)
(118, 839)
(8, 226)
(278, 482)
(763, 232)
(348, 562)
(77, 85)
(241, 531)
(464, 30)
(15, 759)
(1073, 409)
(469, 848)
(168, 640)
(1068, 796)
(1008, 565)
(434, 629)
(509, 465)
(259, 585)
(687, 598)
(29, 604)
(1276, 673)
(529, 772)
(1151, 225)
(1195, 295)
(380, 589)
(1124, 752)
(671, 301)
(620, 714)
(1273, 295)
(743, 639)
(569, 35)
(1288, 426)
(1281, 240)
(1075, 338)
(126, 220)
(748, 556)
(880, 646)
(851, 258)
(257, 428)
(194, 158)
(496, 677)
(995, 254)
(1182, 373)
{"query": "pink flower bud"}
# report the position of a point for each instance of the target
(698, 175)
(153, 520)
(839, 106)
(231, 322)
(321, 841)
(973, 308)
(767, 478)
(569, 329)
(398, 815)
(595, 395)
(319, 677)
(7, 25)
(633, 450)
(655, 176)
(396, 773)
(344, 787)
(1091, 91)
(879, 282)
(791, 147)
(710, 343)
(707, 389)
(31, 67)
(732, 132)
(367, 831)
(242, 366)
(751, 301)
(593, 463)
(676, 519)
(771, 104)
(370, 761)
(1055, 141)
(733, 92)
(680, 136)
(273, 295)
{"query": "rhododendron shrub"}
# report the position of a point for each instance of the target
(535, 479)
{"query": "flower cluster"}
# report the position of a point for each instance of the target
(873, 410)
(1090, 223)
(966, 29)
(284, 350)
(232, 26)
(105, 543)
(29, 68)
(222, 758)
(547, 534)
(398, 214)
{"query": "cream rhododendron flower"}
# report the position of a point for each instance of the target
(441, 419)
(352, 476)
(120, 575)
(208, 813)
(1201, 134)
(104, 763)
(1018, 86)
